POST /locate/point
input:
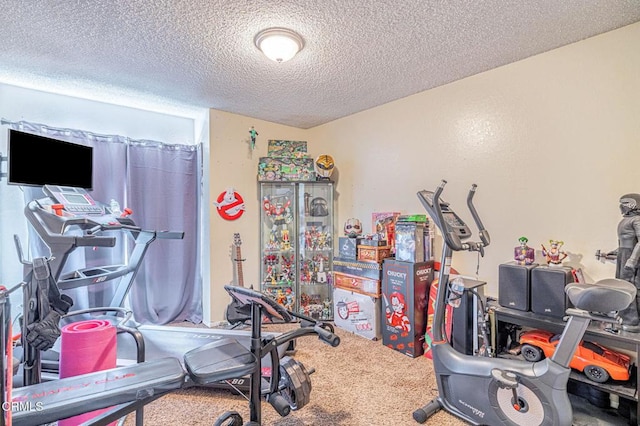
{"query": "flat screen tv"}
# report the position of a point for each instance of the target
(39, 160)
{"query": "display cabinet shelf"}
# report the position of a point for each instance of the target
(296, 240)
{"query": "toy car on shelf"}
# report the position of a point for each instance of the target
(598, 363)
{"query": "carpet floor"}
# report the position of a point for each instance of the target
(359, 383)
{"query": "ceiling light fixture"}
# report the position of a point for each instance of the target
(279, 44)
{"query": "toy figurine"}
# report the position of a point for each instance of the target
(353, 228)
(554, 255)
(279, 213)
(523, 254)
(253, 134)
(288, 299)
(326, 309)
(627, 256)
(324, 166)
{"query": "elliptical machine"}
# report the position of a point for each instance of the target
(496, 391)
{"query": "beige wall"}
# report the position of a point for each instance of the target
(552, 142)
(234, 164)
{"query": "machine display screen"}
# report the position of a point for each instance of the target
(452, 220)
(75, 198)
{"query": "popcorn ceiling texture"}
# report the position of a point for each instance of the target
(358, 54)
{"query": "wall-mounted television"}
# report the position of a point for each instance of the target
(39, 160)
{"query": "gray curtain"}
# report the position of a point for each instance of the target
(163, 187)
(161, 184)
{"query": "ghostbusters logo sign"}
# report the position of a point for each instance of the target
(230, 205)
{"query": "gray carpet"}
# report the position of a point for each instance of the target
(359, 383)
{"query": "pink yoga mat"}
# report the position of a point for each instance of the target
(85, 347)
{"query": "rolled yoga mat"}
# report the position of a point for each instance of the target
(85, 347)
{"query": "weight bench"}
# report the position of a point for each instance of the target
(128, 387)
(216, 361)
(58, 399)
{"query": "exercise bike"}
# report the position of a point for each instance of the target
(496, 391)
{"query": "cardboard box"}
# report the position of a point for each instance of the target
(367, 286)
(282, 148)
(359, 269)
(347, 248)
(405, 295)
(373, 243)
(373, 254)
(283, 169)
(384, 225)
(357, 313)
(413, 242)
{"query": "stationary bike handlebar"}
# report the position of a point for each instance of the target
(452, 239)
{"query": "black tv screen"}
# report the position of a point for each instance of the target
(38, 160)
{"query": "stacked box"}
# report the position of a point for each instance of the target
(381, 223)
(284, 169)
(353, 275)
(347, 248)
(372, 243)
(286, 161)
(405, 295)
(357, 268)
(357, 313)
(413, 242)
(373, 253)
(362, 285)
(282, 148)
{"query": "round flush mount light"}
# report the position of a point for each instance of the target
(279, 44)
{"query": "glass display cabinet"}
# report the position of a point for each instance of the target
(296, 243)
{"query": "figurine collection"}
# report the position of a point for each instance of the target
(297, 227)
(523, 254)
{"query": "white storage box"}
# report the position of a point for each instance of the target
(357, 313)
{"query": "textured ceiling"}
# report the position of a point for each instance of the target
(357, 55)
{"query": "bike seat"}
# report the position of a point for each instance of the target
(604, 296)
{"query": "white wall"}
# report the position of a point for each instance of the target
(552, 141)
(57, 110)
(234, 165)
(19, 103)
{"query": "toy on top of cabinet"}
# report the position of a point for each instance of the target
(324, 166)
(353, 228)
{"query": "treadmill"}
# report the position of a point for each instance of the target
(69, 218)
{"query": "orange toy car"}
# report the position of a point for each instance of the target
(596, 362)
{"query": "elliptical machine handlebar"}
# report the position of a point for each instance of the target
(450, 235)
(482, 232)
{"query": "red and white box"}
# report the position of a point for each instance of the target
(357, 313)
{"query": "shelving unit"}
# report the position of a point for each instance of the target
(296, 245)
(595, 333)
